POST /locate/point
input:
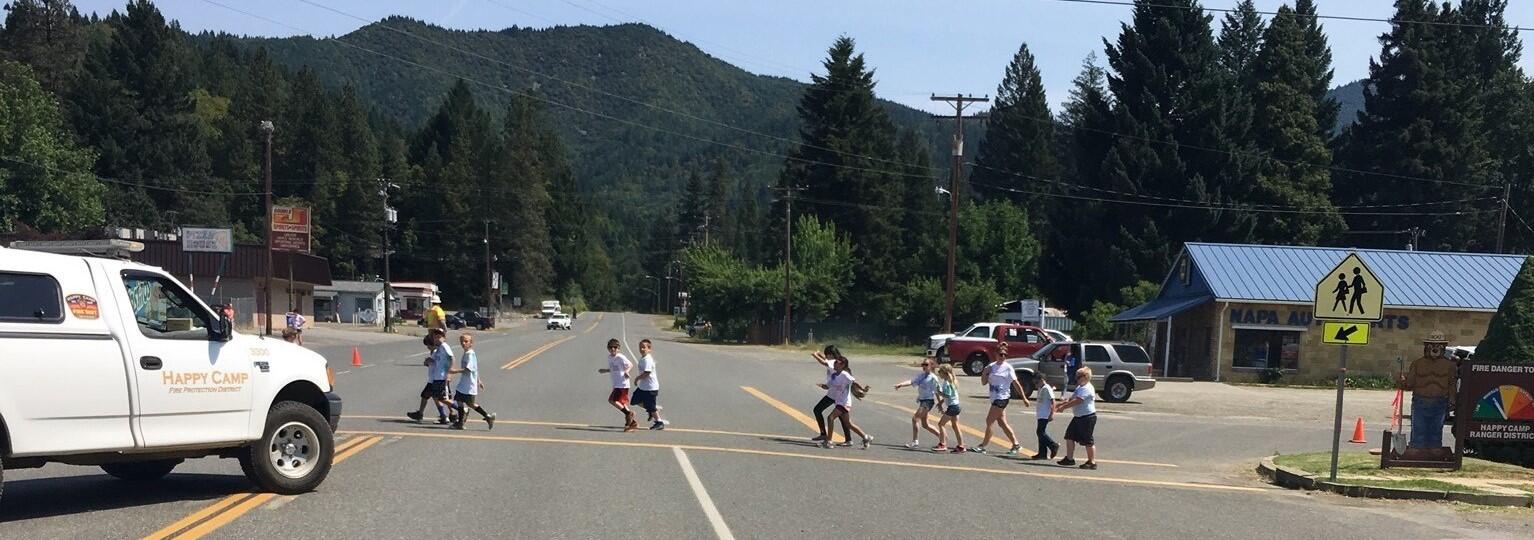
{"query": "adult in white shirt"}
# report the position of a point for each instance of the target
(1001, 384)
(1083, 406)
(647, 385)
(618, 367)
(840, 390)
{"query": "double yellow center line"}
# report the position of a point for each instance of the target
(228, 509)
(535, 352)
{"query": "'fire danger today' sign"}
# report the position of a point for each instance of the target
(1497, 402)
(290, 228)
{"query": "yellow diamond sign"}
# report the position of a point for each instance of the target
(1350, 292)
(1346, 333)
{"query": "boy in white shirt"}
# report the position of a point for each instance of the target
(466, 395)
(648, 386)
(618, 367)
(1046, 412)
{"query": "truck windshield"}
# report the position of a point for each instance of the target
(163, 310)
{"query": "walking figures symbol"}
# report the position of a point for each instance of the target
(1355, 292)
(1355, 304)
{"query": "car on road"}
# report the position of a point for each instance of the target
(474, 319)
(972, 352)
(560, 321)
(153, 377)
(453, 321)
(1119, 368)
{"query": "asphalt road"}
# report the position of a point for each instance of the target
(735, 463)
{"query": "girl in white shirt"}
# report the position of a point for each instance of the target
(1083, 405)
(840, 390)
(825, 359)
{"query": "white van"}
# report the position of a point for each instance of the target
(115, 364)
(550, 307)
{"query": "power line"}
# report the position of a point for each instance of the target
(1316, 16)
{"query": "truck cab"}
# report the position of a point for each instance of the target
(115, 364)
(979, 345)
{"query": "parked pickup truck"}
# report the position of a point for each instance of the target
(936, 343)
(115, 364)
(1119, 368)
(977, 346)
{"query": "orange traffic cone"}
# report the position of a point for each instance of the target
(357, 362)
(1358, 432)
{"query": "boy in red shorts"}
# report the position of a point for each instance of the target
(618, 367)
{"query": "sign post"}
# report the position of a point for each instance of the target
(1351, 295)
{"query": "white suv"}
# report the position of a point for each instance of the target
(560, 321)
(154, 377)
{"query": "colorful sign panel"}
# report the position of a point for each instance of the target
(207, 240)
(290, 228)
(1500, 401)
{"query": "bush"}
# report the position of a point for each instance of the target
(1270, 376)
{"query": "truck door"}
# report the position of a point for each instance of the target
(193, 389)
(1052, 365)
(66, 385)
(1022, 341)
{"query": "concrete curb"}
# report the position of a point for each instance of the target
(1296, 479)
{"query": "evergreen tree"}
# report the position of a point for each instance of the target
(1241, 37)
(527, 209)
(1018, 149)
(45, 180)
(1092, 228)
(1293, 171)
(1319, 55)
(358, 211)
(1510, 337)
(47, 35)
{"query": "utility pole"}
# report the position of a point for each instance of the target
(489, 283)
(1507, 192)
(959, 102)
(788, 257)
(390, 217)
(268, 128)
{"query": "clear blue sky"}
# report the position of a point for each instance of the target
(917, 48)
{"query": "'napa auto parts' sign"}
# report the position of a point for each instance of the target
(1497, 402)
(290, 228)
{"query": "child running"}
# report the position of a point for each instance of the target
(466, 395)
(840, 390)
(437, 366)
(648, 386)
(618, 367)
(948, 400)
(1045, 412)
(926, 396)
(1083, 405)
(1001, 382)
(826, 359)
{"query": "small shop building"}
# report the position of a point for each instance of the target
(1229, 312)
(350, 302)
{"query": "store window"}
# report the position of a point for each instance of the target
(1263, 349)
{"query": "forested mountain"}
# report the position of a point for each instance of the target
(1350, 101)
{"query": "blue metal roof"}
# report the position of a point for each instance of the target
(1411, 278)
(1160, 308)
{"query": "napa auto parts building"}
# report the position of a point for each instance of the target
(1227, 312)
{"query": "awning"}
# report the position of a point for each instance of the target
(1160, 308)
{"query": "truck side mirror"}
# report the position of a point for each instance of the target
(223, 329)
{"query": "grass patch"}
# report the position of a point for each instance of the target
(1431, 485)
(854, 348)
(1363, 464)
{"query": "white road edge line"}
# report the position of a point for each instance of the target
(720, 529)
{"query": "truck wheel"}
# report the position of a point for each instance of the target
(141, 471)
(294, 453)
(2, 476)
(942, 355)
(974, 364)
(1027, 381)
(1119, 389)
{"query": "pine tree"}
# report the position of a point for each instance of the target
(1241, 34)
(1319, 54)
(47, 35)
(1084, 227)
(358, 211)
(1018, 149)
(529, 203)
(1293, 172)
(45, 180)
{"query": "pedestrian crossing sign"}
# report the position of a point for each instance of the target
(1350, 292)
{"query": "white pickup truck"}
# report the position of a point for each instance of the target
(114, 364)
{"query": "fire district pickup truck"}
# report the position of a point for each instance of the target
(115, 364)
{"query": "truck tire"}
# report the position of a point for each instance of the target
(140, 472)
(942, 355)
(294, 453)
(1119, 389)
(2, 475)
(974, 364)
(1026, 381)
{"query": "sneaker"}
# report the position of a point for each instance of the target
(940, 448)
(442, 421)
(1014, 450)
(960, 449)
(818, 438)
(458, 425)
(1089, 466)
(844, 444)
(657, 425)
(867, 441)
(978, 449)
(912, 445)
(1053, 451)
(414, 416)
(1040, 456)
(631, 426)
(825, 444)
(1067, 462)
(663, 423)
(490, 420)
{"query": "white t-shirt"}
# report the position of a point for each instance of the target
(840, 389)
(1088, 403)
(468, 381)
(1046, 402)
(651, 383)
(442, 360)
(618, 364)
(1000, 381)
